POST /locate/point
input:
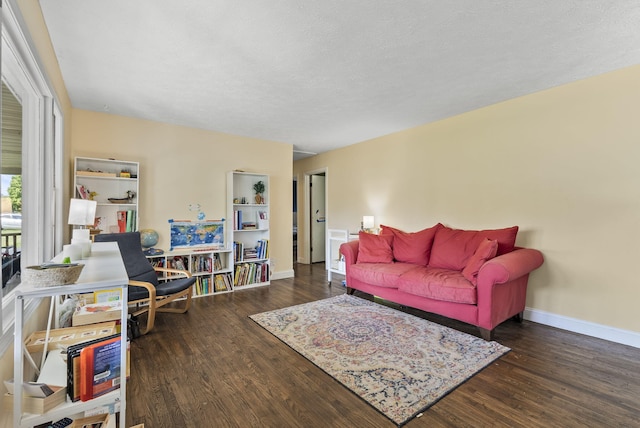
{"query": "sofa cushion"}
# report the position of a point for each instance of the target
(452, 248)
(411, 247)
(485, 251)
(374, 248)
(380, 274)
(439, 284)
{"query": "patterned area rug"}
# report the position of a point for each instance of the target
(397, 362)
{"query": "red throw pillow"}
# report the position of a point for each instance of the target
(485, 251)
(414, 247)
(374, 248)
(452, 248)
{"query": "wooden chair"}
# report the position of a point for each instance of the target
(146, 293)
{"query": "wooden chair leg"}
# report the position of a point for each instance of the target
(151, 317)
(519, 317)
(351, 290)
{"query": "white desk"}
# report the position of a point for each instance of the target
(103, 270)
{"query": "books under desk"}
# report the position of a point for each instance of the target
(55, 374)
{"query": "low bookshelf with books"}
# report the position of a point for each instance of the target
(212, 267)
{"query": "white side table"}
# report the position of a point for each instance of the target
(334, 260)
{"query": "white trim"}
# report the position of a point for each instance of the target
(283, 274)
(625, 337)
(57, 219)
(25, 75)
(25, 48)
(304, 254)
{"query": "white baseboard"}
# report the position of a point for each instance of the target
(625, 337)
(283, 274)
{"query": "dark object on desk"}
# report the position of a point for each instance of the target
(145, 291)
(153, 252)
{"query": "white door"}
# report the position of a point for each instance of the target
(318, 219)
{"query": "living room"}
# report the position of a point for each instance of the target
(559, 163)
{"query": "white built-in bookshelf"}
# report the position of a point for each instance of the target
(248, 218)
(109, 182)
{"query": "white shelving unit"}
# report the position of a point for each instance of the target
(109, 178)
(335, 264)
(249, 229)
(205, 265)
(103, 270)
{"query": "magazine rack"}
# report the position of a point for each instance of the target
(104, 270)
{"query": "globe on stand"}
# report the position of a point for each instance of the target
(149, 238)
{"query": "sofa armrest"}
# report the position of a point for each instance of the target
(350, 252)
(510, 266)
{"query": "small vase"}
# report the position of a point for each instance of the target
(258, 198)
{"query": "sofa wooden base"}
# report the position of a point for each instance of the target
(486, 334)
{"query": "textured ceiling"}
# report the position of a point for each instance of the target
(326, 74)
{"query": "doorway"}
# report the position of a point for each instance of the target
(315, 220)
(295, 220)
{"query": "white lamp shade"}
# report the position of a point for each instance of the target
(367, 222)
(82, 212)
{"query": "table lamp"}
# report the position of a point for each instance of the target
(82, 213)
(367, 223)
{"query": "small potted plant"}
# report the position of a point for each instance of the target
(259, 189)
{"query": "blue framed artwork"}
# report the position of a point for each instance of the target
(197, 234)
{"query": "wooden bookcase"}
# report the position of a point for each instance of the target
(109, 179)
(248, 229)
(213, 268)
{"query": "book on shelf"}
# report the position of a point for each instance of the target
(202, 263)
(178, 262)
(217, 262)
(83, 192)
(222, 282)
(73, 364)
(122, 221)
(262, 248)
(129, 221)
(202, 285)
(99, 368)
(237, 220)
(102, 296)
(126, 220)
(238, 251)
(97, 312)
(250, 273)
(157, 262)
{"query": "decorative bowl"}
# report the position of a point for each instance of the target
(119, 200)
(51, 275)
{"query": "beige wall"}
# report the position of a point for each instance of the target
(181, 166)
(562, 164)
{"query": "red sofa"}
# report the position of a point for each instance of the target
(475, 276)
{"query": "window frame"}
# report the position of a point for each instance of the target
(42, 157)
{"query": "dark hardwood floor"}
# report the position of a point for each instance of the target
(214, 367)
